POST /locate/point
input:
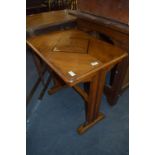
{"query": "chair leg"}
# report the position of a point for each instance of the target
(116, 83)
(29, 96)
(45, 87)
(39, 66)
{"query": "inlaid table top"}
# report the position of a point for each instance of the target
(74, 55)
(46, 19)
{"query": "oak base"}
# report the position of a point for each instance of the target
(84, 127)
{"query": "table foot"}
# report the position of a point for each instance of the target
(84, 127)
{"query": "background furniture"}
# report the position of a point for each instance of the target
(34, 7)
(48, 19)
(109, 19)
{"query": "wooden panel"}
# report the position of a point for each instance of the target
(113, 9)
(119, 38)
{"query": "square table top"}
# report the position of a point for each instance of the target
(78, 55)
(46, 19)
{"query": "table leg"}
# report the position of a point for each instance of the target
(94, 99)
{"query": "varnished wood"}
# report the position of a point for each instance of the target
(93, 114)
(85, 64)
(92, 99)
(101, 82)
(98, 51)
(83, 127)
(47, 19)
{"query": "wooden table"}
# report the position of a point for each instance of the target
(75, 57)
(47, 19)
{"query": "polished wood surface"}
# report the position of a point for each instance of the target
(47, 19)
(62, 61)
(73, 67)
